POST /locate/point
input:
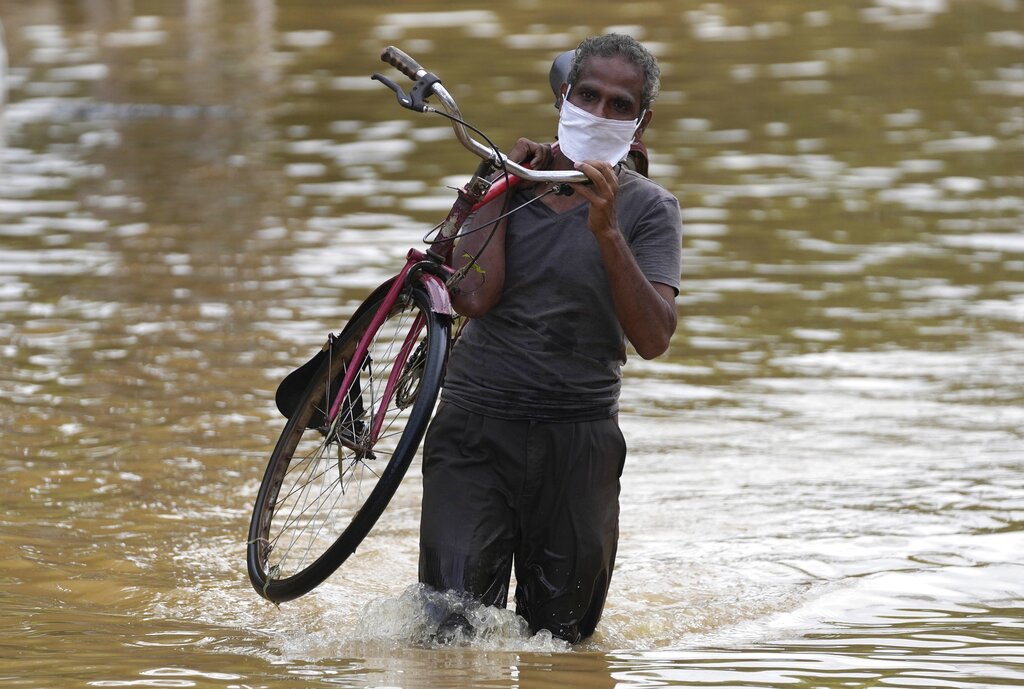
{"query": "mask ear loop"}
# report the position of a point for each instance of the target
(639, 123)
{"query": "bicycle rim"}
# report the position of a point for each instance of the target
(327, 483)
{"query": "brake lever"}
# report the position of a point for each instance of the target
(417, 98)
(403, 99)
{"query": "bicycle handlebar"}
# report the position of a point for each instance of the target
(401, 61)
(426, 81)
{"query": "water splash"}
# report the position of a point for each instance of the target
(400, 624)
(419, 613)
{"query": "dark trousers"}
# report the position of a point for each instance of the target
(542, 496)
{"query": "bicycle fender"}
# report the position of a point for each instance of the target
(371, 298)
(440, 300)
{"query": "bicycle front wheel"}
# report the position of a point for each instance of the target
(329, 479)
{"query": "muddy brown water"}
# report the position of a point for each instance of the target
(825, 480)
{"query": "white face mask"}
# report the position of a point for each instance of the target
(582, 136)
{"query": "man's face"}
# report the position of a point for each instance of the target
(609, 87)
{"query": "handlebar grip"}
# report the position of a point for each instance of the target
(400, 61)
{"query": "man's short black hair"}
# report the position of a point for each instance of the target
(613, 44)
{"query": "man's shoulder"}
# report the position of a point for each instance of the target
(644, 199)
(635, 184)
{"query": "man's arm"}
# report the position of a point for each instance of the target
(480, 290)
(646, 310)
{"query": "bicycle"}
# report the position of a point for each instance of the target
(357, 411)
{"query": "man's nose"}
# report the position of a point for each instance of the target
(603, 108)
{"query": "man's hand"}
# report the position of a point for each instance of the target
(531, 154)
(601, 193)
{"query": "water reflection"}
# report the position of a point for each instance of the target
(825, 479)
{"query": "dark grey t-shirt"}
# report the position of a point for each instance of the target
(552, 348)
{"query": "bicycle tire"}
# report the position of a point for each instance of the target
(336, 480)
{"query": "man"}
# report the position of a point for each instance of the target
(522, 461)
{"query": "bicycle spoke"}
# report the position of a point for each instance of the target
(313, 539)
(304, 504)
(308, 463)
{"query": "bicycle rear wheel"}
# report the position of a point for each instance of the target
(327, 483)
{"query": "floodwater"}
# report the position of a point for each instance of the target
(826, 479)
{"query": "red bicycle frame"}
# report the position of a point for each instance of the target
(440, 302)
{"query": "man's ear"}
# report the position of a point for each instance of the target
(562, 90)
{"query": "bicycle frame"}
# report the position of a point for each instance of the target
(419, 266)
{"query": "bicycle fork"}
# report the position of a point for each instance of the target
(402, 378)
